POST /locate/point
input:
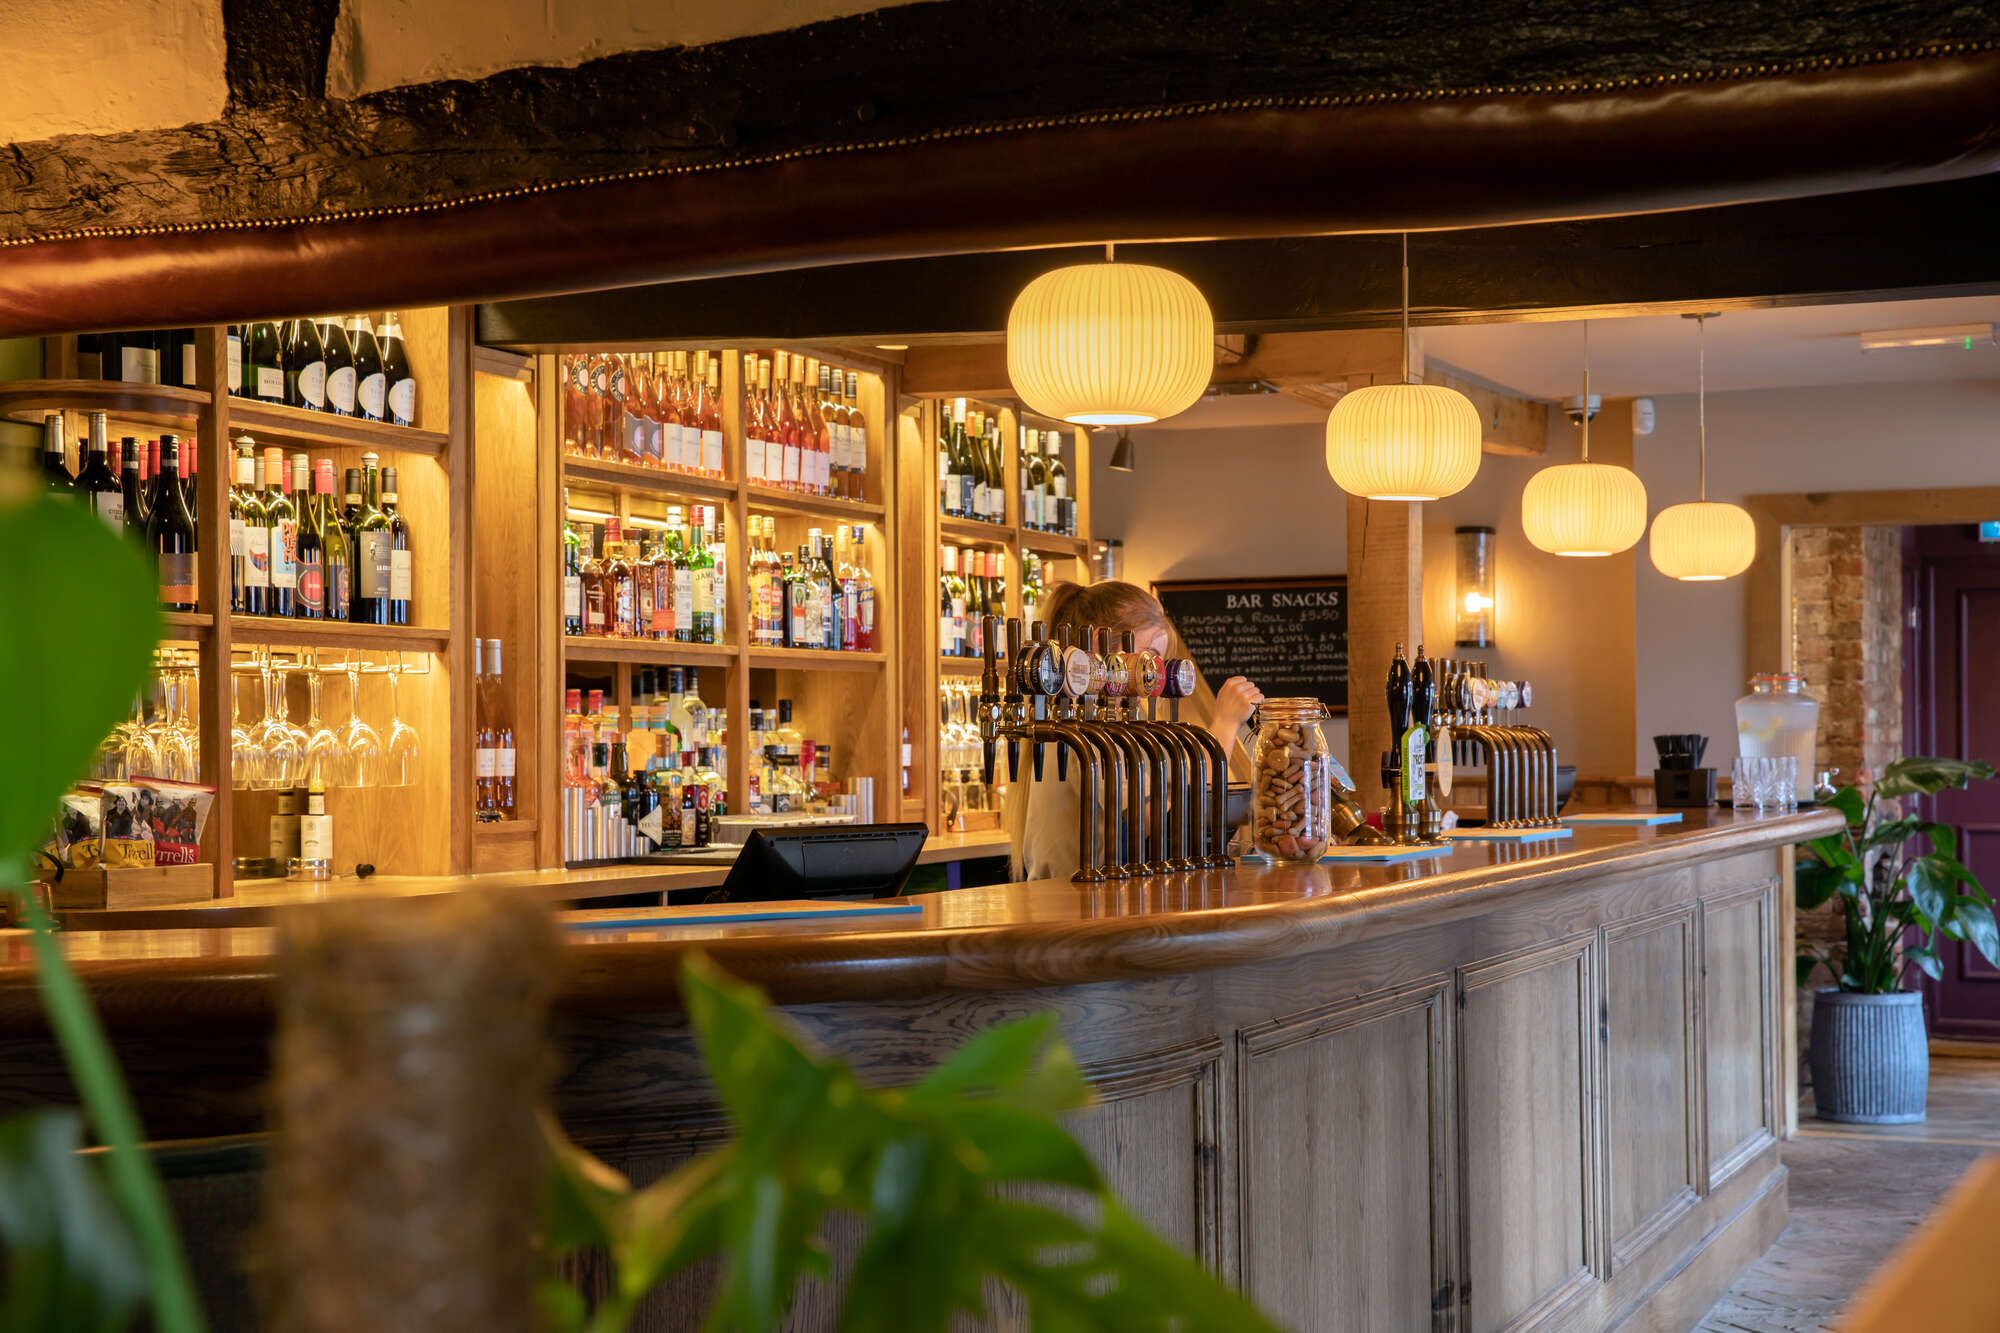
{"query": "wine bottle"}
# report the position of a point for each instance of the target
(310, 601)
(572, 545)
(138, 360)
(55, 459)
(402, 382)
(97, 482)
(370, 389)
(372, 545)
(701, 569)
(400, 568)
(89, 356)
(281, 519)
(340, 371)
(336, 556)
(256, 534)
(179, 352)
(171, 532)
(350, 491)
(131, 478)
(233, 355)
(190, 485)
(305, 365)
(263, 363)
(502, 731)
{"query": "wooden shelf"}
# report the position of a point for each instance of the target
(592, 648)
(972, 530)
(787, 659)
(652, 480)
(270, 422)
(337, 634)
(142, 404)
(961, 666)
(186, 624)
(1054, 543)
(766, 499)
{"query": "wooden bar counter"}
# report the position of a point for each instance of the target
(1516, 1086)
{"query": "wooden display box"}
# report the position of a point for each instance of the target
(132, 886)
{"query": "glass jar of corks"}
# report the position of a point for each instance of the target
(1292, 791)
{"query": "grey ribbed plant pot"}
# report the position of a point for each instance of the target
(1871, 1062)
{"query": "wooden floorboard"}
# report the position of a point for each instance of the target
(1856, 1192)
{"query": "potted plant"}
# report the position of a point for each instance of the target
(1900, 884)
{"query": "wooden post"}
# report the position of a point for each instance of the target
(1385, 581)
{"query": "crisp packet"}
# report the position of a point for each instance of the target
(127, 824)
(79, 829)
(174, 813)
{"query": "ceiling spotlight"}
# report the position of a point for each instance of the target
(1121, 453)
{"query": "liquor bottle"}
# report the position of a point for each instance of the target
(342, 382)
(658, 576)
(857, 439)
(316, 829)
(500, 727)
(131, 479)
(232, 352)
(305, 365)
(616, 434)
(98, 481)
(618, 577)
(55, 459)
(1063, 517)
(674, 580)
(263, 363)
(396, 373)
(170, 531)
(372, 544)
(717, 541)
(645, 586)
(336, 544)
(701, 572)
(572, 545)
(310, 602)
(402, 571)
(256, 534)
(371, 387)
(281, 520)
(864, 590)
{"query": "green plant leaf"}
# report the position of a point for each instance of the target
(1890, 833)
(1931, 882)
(71, 1263)
(1850, 804)
(1815, 883)
(1803, 967)
(1925, 959)
(68, 578)
(1927, 776)
(1975, 920)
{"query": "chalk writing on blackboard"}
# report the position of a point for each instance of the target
(1287, 636)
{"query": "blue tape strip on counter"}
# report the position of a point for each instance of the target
(1508, 834)
(733, 914)
(1379, 854)
(1636, 818)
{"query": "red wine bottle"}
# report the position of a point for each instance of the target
(171, 533)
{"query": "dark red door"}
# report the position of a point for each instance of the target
(1953, 709)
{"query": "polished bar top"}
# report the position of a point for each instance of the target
(1042, 932)
(261, 902)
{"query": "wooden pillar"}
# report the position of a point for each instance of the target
(1385, 580)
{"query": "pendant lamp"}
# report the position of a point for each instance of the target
(1403, 441)
(1110, 344)
(1584, 509)
(1706, 541)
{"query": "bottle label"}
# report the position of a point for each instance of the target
(312, 385)
(285, 554)
(403, 402)
(235, 362)
(312, 589)
(271, 383)
(663, 607)
(948, 492)
(753, 459)
(372, 393)
(503, 762)
(790, 455)
(485, 763)
(1413, 766)
(256, 556)
(284, 837)
(711, 451)
(340, 388)
(373, 576)
(110, 506)
(339, 588)
(704, 592)
(980, 500)
(139, 365)
(572, 597)
(316, 837)
(399, 576)
(683, 600)
(177, 577)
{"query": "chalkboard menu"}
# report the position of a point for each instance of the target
(1287, 636)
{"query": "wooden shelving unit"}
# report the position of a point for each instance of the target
(338, 634)
(165, 406)
(651, 652)
(665, 481)
(275, 423)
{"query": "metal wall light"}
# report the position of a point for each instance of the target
(1472, 600)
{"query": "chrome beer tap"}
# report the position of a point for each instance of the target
(1038, 678)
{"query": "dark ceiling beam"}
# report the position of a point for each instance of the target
(1925, 240)
(276, 50)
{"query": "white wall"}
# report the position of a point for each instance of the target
(1690, 667)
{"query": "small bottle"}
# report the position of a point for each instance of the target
(284, 829)
(315, 860)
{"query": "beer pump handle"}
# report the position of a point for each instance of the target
(989, 694)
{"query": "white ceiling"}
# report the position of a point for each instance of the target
(1777, 348)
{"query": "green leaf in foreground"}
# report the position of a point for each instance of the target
(70, 1261)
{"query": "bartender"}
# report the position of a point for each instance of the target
(1042, 816)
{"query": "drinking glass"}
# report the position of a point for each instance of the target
(246, 757)
(1788, 782)
(365, 761)
(173, 735)
(283, 744)
(400, 770)
(1742, 794)
(134, 755)
(325, 752)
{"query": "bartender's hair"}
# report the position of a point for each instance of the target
(1110, 605)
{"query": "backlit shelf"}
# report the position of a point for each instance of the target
(337, 634)
(650, 480)
(790, 659)
(273, 422)
(167, 405)
(768, 499)
(650, 652)
(972, 530)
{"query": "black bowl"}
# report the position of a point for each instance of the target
(1565, 784)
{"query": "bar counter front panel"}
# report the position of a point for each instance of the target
(1514, 1087)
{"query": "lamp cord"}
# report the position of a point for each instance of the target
(1406, 307)
(1701, 405)
(1586, 391)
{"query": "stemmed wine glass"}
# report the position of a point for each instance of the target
(325, 754)
(246, 757)
(283, 744)
(173, 735)
(364, 747)
(401, 764)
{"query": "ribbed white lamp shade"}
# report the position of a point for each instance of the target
(1704, 541)
(1110, 344)
(1403, 442)
(1584, 509)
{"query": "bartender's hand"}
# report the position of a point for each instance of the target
(1233, 705)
